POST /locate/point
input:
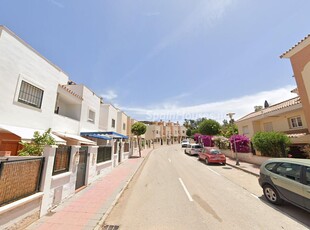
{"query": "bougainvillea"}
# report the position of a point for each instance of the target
(196, 137)
(240, 142)
(206, 140)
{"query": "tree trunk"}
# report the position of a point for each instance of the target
(139, 147)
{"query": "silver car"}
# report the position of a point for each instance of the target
(286, 179)
(193, 149)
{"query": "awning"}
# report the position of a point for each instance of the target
(109, 134)
(98, 136)
(296, 135)
(26, 134)
(82, 140)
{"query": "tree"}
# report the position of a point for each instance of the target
(209, 127)
(228, 129)
(189, 132)
(272, 144)
(36, 146)
(138, 129)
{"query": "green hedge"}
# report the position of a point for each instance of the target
(271, 144)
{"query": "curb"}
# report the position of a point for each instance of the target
(101, 221)
(245, 170)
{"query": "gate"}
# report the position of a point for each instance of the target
(119, 152)
(81, 168)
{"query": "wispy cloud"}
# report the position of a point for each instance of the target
(56, 3)
(203, 17)
(109, 95)
(215, 110)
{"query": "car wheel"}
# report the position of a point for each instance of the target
(271, 194)
(207, 162)
(184, 151)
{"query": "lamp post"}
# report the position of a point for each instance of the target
(230, 115)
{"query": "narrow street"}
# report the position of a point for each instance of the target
(176, 191)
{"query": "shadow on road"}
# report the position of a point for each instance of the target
(298, 214)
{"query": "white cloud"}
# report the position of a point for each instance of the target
(56, 3)
(204, 17)
(109, 95)
(215, 110)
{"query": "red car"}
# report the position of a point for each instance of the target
(212, 155)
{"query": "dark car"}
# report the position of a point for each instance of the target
(286, 179)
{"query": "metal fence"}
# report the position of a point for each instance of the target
(19, 178)
(104, 153)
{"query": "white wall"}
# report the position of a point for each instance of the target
(107, 113)
(20, 62)
(121, 120)
(90, 102)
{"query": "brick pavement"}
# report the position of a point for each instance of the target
(87, 208)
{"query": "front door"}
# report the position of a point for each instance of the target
(81, 168)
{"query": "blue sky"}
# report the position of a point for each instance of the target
(168, 59)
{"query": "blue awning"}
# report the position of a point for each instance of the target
(108, 135)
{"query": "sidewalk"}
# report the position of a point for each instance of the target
(247, 167)
(89, 207)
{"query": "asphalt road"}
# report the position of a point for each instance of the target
(176, 191)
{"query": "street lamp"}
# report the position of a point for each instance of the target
(230, 115)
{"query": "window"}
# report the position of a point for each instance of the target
(113, 123)
(245, 129)
(62, 159)
(270, 166)
(290, 171)
(308, 176)
(104, 154)
(91, 116)
(268, 127)
(295, 122)
(30, 95)
(124, 126)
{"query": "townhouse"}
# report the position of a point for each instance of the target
(291, 117)
(36, 95)
(165, 132)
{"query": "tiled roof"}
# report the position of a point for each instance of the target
(70, 91)
(295, 46)
(273, 108)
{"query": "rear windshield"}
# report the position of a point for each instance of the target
(196, 147)
(215, 151)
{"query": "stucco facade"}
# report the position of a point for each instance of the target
(108, 118)
(299, 56)
(20, 63)
(287, 117)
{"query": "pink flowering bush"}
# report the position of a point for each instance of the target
(241, 142)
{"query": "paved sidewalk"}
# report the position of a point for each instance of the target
(247, 167)
(88, 208)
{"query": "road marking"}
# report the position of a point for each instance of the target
(186, 191)
(254, 196)
(213, 171)
(169, 160)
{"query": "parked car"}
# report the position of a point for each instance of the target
(286, 179)
(193, 149)
(185, 143)
(212, 155)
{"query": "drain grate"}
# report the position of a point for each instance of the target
(110, 227)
